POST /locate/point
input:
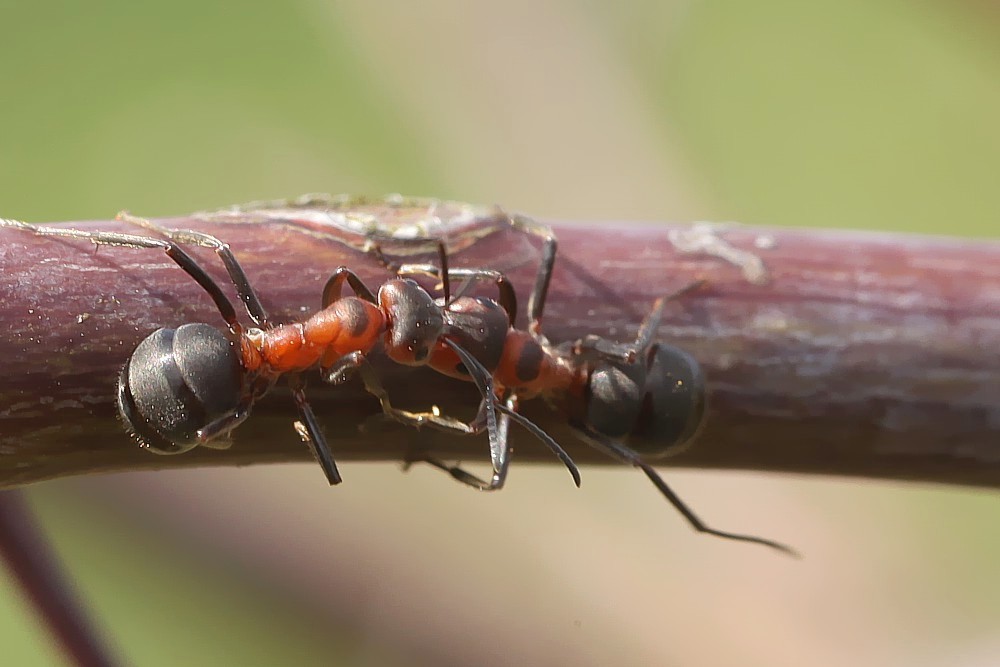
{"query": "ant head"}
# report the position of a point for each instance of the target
(415, 321)
(658, 402)
(479, 326)
(177, 382)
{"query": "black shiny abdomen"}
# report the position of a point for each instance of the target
(657, 403)
(673, 407)
(176, 382)
(616, 393)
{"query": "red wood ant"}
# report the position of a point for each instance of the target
(631, 401)
(192, 385)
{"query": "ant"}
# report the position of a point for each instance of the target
(631, 401)
(192, 385)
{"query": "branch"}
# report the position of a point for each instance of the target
(842, 353)
(31, 560)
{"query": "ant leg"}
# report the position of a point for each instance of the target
(499, 477)
(536, 302)
(333, 287)
(508, 299)
(456, 472)
(499, 449)
(628, 456)
(210, 434)
(172, 250)
(507, 294)
(445, 275)
(629, 352)
(238, 276)
(374, 249)
(510, 410)
(356, 362)
(309, 430)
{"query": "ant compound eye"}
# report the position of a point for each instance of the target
(177, 382)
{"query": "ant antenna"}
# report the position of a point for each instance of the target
(630, 457)
(498, 450)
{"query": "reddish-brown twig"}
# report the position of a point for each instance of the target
(30, 559)
(826, 352)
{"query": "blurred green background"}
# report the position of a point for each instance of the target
(876, 115)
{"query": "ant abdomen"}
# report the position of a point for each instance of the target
(673, 407)
(177, 382)
(616, 397)
(656, 403)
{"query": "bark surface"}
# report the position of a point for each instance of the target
(829, 352)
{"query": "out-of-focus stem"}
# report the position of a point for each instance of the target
(842, 353)
(29, 557)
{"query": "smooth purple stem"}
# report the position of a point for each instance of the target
(832, 352)
(30, 558)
